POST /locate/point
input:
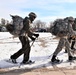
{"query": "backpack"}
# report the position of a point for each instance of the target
(74, 27)
(59, 28)
(16, 26)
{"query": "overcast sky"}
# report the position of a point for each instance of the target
(46, 10)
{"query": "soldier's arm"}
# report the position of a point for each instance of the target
(27, 29)
(71, 31)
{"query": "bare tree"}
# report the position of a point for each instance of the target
(39, 24)
(2, 21)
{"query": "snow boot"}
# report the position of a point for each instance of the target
(71, 58)
(54, 60)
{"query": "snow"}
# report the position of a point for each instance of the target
(41, 52)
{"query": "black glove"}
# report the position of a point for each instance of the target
(36, 35)
(33, 39)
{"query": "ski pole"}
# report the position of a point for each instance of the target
(32, 43)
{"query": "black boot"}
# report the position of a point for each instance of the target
(13, 60)
(54, 60)
(72, 46)
(71, 58)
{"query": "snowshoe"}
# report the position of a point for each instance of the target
(28, 62)
(56, 61)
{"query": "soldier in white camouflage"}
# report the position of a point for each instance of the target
(74, 39)
(63, 42)
(70, 39)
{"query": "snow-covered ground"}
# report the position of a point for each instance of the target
(41, 52)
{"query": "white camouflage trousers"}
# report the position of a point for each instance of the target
(63, 42)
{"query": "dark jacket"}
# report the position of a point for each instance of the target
(26, 27)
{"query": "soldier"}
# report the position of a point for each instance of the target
(73, 40)
(64, 42)
(23, 37)
(70, 39)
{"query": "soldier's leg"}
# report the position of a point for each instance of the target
(26, 55)
(70, 57)
(72, 45)
(69, 39)
(21, 51)
(58, 49)
(27, 51)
